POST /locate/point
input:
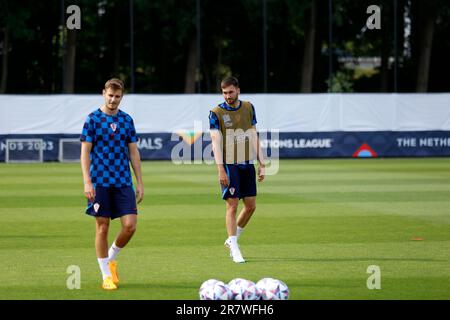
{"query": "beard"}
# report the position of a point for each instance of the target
(231, 100)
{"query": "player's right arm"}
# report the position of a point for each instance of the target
(216, 140)
(89, 190)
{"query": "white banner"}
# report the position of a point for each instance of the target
(65, 114)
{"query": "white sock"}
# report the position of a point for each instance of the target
(103, 263)
(113, 251)
(239, 230)
(233, 241)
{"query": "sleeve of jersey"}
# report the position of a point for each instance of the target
(88, 132)
(213, 121)
(254, 116)
(132, 137)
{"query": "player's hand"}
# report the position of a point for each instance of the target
(223, 178)
(139, 192)
(261, 172)
(89, 191)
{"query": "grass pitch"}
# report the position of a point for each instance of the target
(318, 226)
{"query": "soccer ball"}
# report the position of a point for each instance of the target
(242, 289)
(208, 283)
(213, 289)
(272, 289)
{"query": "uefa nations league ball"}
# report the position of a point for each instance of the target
(242, 289)
(213, 289)
(272, 289)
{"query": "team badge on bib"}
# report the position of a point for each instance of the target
(113, 126)
(227, 120)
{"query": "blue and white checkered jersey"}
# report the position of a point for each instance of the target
(110, 136)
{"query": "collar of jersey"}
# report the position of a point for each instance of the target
(229, 108)
(107, 115)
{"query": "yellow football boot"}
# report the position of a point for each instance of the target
(108, 284)
(113, 268)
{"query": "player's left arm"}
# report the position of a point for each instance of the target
(259, 155)
(257, 147)
(135, 160)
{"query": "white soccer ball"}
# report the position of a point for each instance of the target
(272, 289)
(213, 289)
(242, 289)
(208, 283)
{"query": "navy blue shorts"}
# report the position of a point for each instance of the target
(242, 178)
(111, 202)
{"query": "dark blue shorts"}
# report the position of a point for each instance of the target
(111, 202)
(242, 178)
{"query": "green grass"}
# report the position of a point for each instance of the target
(319, 224)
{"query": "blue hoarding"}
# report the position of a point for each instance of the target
(166, 146)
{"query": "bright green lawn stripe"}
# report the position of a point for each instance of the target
(58, 191)
(193, 231)
(148, 211)
(285, 198)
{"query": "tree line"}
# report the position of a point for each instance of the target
(188, 46)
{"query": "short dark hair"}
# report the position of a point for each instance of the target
(115, 84)
(229, 81)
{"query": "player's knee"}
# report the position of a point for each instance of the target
(130, 228)
(232, 207)
(250, 208)
(102, 228)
